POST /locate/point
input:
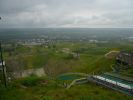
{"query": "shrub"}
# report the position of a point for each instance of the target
(31, 81)
(69, 56)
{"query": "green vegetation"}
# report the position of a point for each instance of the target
(55, 62)
(30, 81)
(128, 73)
(68, 77)
(50, 90)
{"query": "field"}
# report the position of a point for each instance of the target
(58, 59)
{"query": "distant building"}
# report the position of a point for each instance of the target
(125, 58)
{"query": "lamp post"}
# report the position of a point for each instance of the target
(3, 65)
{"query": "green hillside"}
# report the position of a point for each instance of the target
(55, 62)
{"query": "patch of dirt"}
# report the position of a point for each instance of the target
(111, 54)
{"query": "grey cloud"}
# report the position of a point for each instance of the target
(66, 13)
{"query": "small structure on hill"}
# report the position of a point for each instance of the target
(124, 60)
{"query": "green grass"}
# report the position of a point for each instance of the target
(31, 81)
(51, 91)
(128, 72)
(91, 60)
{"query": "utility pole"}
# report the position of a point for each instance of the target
(3, 66)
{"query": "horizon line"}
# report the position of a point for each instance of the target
(68, 27)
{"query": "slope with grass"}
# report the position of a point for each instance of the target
(56, 62)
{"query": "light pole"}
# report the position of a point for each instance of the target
(3, 65)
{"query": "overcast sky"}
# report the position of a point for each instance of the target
(66, 13)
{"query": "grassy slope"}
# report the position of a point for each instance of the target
(91, 60)
(87, 91)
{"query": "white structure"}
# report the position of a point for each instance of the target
(113, 82)
(3, 63)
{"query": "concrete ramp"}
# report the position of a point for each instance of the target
(77, 81)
